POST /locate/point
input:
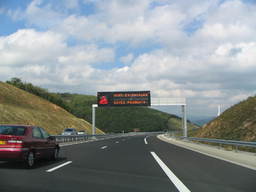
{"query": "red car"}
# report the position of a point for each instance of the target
(26, 143)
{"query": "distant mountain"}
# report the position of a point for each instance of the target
(20, 107)
(201, 120)
(237, 123)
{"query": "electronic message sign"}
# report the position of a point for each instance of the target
(124, 98)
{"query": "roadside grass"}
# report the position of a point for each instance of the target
(236, 123)
(19, 107)
(194, 132)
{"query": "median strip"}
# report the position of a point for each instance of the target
(175, 180)
(57, 167)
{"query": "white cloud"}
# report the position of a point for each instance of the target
(124, 21)
(37, 15)
(212, 93)
(123, 69)
(28, 46)
(235, 57)
(216, 63)
(31, 54)
(35, 69)
(233, 21)
(220, 31)
(127, 59)
(239, 97)
(87, 54)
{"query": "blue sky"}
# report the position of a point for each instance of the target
(203, 50)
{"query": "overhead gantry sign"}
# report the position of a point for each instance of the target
(124, 99)
(136, 98)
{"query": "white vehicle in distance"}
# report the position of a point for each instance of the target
(82, 132)
(69, 131)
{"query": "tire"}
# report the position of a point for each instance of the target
(30, 161)
(55, 155)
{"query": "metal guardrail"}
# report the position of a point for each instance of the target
(222, 141)
(81, 138)
(70, 138)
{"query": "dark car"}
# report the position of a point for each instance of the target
(27, 144)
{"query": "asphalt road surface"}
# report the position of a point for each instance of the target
(128, 164)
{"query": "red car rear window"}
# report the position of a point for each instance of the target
(12, 130)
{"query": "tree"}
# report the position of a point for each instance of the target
(16, 82)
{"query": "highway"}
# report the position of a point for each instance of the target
(128, 164)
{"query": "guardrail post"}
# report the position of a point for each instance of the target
(236, 148)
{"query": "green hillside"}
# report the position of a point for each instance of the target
(20, 107)
(107, 119)
(120, 119)
(237, 123)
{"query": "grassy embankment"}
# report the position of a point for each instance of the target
(20, 107)
(236, 123)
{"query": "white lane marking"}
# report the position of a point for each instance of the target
(117, 141)
(104, 147)
(59, 166)
(175, 180)
(145, 140)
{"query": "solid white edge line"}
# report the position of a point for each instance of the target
(175, 180)
(59, 166)
(145, 140)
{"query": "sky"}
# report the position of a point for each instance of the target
(203, 50)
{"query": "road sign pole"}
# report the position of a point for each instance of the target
(184, 111)
(93, 119)
(182, 119)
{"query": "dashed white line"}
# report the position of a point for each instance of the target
(104, 147)
(145, 140)
(175, 180)
(59, 166)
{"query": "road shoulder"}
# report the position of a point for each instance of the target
(244, 159)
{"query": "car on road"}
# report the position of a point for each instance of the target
(26, 143)
(81, 132)
(69, 131)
